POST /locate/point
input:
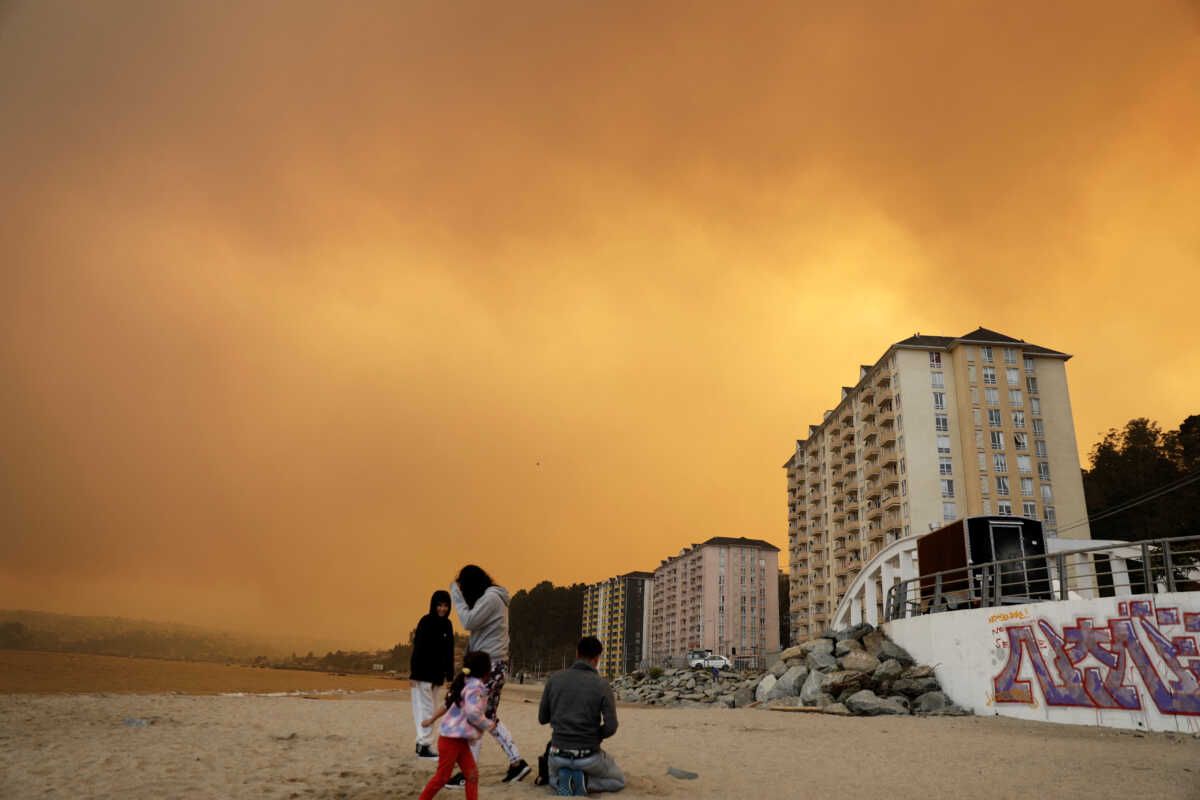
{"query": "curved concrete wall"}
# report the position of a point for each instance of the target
(1120, 662)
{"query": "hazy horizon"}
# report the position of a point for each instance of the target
(305, 306)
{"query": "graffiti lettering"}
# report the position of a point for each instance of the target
(1092, 665)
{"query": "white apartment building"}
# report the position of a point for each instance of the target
(940, 427)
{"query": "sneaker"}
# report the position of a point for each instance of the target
(457, 782)
(516, 772)
(426, 752)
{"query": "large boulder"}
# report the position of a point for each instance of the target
(810, 692)
(889, 670)
(866, 704)
(743, 697)
(790, 683)
(914, 687)
(859, 661)
(931, 701)
(835, 683)
(845, 646)
(793, 652)
(778, 668)
(892, 650)
(820, 662)
(856, 632)
(818, 646)
(764, 687)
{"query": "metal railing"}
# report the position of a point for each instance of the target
(1148, 567)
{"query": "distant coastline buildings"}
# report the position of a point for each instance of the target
(720, 595)
(938, 428)
(617, 612)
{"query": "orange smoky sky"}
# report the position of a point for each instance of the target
(305, 305)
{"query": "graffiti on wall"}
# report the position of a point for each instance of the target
(1142, 650)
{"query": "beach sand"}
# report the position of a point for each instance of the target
(361, 746)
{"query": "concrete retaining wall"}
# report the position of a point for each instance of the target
(1120, 662)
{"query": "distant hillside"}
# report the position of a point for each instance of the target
(40, 630)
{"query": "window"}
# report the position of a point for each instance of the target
(903, 487)
(949, 511)
(1047, 493)
(975, 395)
(1026, 487)
(1001, 485)
(939, 401)
(1044, 470)
(1013, 375)
(1024, 465)
(1029, 510)
(989, 375)
(1039, 447)
(978, 416)
(985, 353)
(985, 485)
(992, 396)
(947, 487)
(1014, 397)
(1031, 385)
(982, 461)
(1010, 355)
(970, 373)
(999, 462)
(1004, 508)
(945, 466)
(1018, 419)
(997, 440)
(1021, 441)
(994, 418)
(941, 422)
(1035, 406)
(987, 506)
(979, 439)
(943, 444)
(935, 360)
(902, 466)
(1039, 429)
(1048, 515)
(937, 380)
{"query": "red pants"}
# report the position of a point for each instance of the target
(450, 752)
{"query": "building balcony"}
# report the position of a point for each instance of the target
(892, 501)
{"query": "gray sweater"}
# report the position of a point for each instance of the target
(487, 621)
(579, 706)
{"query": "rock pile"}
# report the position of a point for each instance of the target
(856, 671)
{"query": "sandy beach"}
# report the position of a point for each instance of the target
(330, 743)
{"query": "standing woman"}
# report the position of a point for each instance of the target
(432, 663)
(483, 609)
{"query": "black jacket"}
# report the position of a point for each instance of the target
(433, 645)
(579, 706)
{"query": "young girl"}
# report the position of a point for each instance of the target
(464, 723)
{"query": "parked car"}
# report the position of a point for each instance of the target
(708, 660)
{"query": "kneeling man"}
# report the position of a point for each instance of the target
(579, 706)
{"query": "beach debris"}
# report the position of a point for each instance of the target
(136, 722)
(682, 774)
(290, 737)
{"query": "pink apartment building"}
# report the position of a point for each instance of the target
(720, 595)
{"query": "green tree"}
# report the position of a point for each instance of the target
(545, 624)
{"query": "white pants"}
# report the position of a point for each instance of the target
(422, 708)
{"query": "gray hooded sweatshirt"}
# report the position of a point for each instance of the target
(487, 621)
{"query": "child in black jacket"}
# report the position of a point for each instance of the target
(432, 664)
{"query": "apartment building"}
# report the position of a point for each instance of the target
(720, 595)
(617, 612)
(940, 427)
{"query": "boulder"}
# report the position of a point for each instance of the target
(669, 697)
(764, 687)
(743, 697)
(793, 652)
(931, 701)
(914, 687)
(859, 661)
(811, 690)
(820, 662)
(918, 671)
(818, 646)
(837, 682)
(837, 709)
(778, 668)
(951, 711)
(892, 650)
(872, 641)
(888, 671)
(866, 704)
(857, 632)
(790, 683)
(845, 646)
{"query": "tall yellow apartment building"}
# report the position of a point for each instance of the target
(940, 427)
(617, 612)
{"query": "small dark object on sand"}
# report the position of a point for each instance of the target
(674, 772)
